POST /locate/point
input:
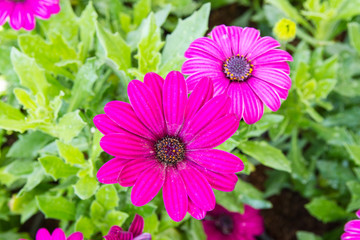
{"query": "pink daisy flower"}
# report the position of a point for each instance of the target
(135, 231)
(352, 229)
(58, 234)
(22, 13)
(243, 65)
(163, 139)
(225, 225)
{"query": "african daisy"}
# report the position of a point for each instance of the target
(163, 139)
(225, 225)
(58, 234)
(135, 231)
(243, 65)
(352, 229)
(22, 13)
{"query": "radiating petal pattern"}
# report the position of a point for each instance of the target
(110, 171)
(131, 171)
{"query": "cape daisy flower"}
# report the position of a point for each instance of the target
(243, 65)
(135, 231)
(22, 13)
(225, 225)
(352, 229)
(163, 139)
(58, 234)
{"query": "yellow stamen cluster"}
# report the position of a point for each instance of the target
(170, 150)
(238, 68)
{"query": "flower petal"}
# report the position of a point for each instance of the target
(262, 46)
(5, 9)
(253, 106)
(144, 236)
(282, 66)
(137, 225)
(28, 19)
(126, 146)
(216, 160)
(76, 236)
(352, 226)
(202, 93)
(205, 48)
(220, 82)
(248, 38)
(146, 107)
(350, 236)
(110, 171)
(197, 187)
(195, 65)
(105, 125)
(215, 133)
(273, 76)
(212, 110)
(174, 195)
(234, 34)
(274, 55)
(148, 185)
(43, 234)
(220, 181)
(265, 93)
(58, 234)
(237, 100)
(222, 38)
(174, 101)
(195, 211)
(123, 114)
(155, 82)
(132, 170)
(17, 18)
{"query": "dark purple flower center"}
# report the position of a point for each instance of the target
(225, 224)
(170, 150)
(238, 68)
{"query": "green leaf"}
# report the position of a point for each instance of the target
(354, 187)
(71, 154)
(179, 40)
(69, 126)
(86, 187)
(326, 210)
(85, 226)
(87, 23)
(354, 151)
(47, 54)
(84, 81)
(31, 76)
(12, 119)
(266, 154)
(302, 235)
(57, 168)
(114, 218)
(56, 207)
(116, 49)
(250, 195)
(24, 205)
(354, 35)
(141, 9)
(25, 99)
(195, 230)
(34, 178)
(107, 197)
(29, 145)
(149, 47)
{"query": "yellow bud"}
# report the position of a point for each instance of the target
(285, 30)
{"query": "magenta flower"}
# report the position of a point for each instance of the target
(58, 234)
(135, 231)
(243, 65)
(352, 229)
(22, 13)
(225, 225)
(164, 139)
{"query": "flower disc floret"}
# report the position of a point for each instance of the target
(238, 68)
(170, 150)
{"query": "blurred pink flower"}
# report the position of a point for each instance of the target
(224, 225)
(352, 229)
(243, 65)
(22, 13)
(134, 233)
(163, 139)
(58, 234)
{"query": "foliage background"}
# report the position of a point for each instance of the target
(59, 76)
